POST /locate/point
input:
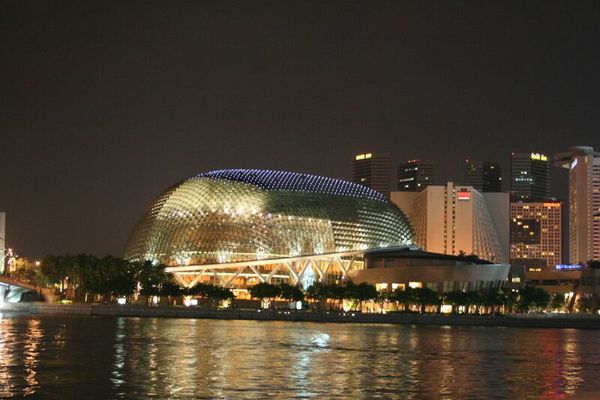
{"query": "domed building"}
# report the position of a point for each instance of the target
(237, 227)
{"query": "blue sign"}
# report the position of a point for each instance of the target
(569, 267)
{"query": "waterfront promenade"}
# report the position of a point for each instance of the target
(561, 321)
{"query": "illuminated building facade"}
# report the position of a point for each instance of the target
(529, 177)
(535, 235)
(583, 164)
(391, 269)
(239, 227)
(415, 175)
(372, 170)
(456, 219)
(483, 176)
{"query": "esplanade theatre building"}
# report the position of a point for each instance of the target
(239, 227)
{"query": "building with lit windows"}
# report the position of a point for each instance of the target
(483, 176)
(529, 177)
(583, 164)
(373, 171)
(535, 235)
(238, 227)
(391, 269)
(415, 175)
(456, 219)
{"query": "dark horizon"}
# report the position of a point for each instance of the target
(106, 104)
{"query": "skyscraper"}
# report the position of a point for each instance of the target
(415, 175)
(583, 164)
(535, 235)
(372, 170)
(529, 177)
(455, 219)
(484, 176)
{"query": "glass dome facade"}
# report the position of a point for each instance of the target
(240, 215)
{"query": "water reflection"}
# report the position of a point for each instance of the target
(6, 387)
(138, 358)
(31, 355)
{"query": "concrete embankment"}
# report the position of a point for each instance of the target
(518, 320)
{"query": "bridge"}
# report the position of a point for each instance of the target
(14, 291)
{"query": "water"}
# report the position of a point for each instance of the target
(136, 358)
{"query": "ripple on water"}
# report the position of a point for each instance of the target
(137, 358)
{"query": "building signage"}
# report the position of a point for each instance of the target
(569, 267)
(363, 156)
(464, 195)
(539, 157)
(556, 205)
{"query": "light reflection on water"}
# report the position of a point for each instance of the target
(102, 357)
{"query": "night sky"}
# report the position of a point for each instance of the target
(105, 104)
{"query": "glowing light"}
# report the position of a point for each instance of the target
(539, 157)
(574, 163)
(464, 196)
(556, 205)
(568, 267)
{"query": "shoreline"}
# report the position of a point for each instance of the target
(512, 321)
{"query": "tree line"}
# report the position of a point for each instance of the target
(331, 296)
(84, 276)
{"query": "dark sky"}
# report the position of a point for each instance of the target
(104, 104)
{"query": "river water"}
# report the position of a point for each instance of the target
(78, 357)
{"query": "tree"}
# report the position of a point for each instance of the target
(426, 297)
(88, 277)
(474, 298)
(264, 291)
(337, 293)
(585, 304)
(456, 299)
(359, 293)
(150, 277)
(317, 292)
(57, 269)
(218, 294)
(290, 293)
(595, 264)
(493, 300)
(117, 276)
(406, 297)
(557, 301)
(30, 272)
(170, 289)
(532, 298)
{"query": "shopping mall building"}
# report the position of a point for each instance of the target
(239, 227)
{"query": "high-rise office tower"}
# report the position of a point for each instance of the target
(455, 219)
(529, 177)
(484, 176)
(372, 170)
(583, 164)
(415, 175)
(535, 235)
